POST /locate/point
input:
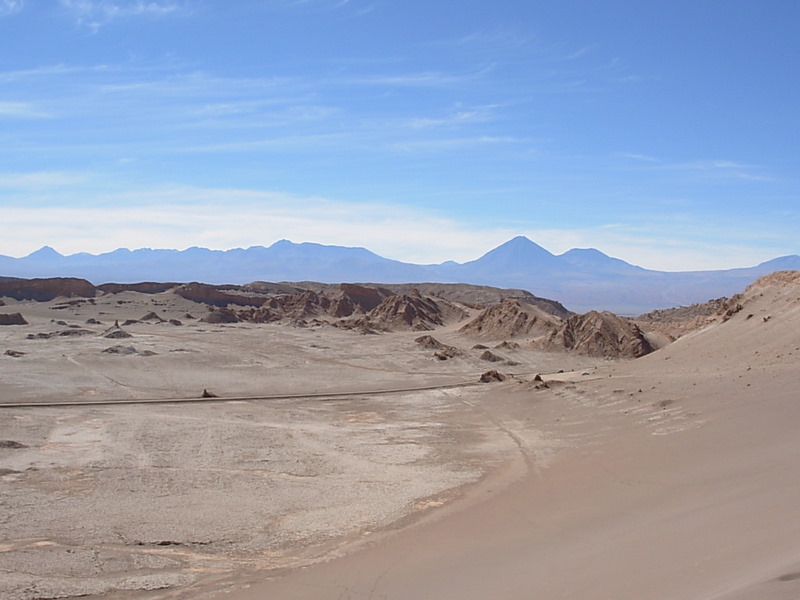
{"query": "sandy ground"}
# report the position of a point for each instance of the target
(179, 498)
(671, 476)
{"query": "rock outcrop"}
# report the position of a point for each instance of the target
(12, 319)
(44, 290)
(441, 351)
(152, 316)
(115, 332)
(264, 303)
(490, 356)
(407, 311)
(492, 376)
(216, 296)
(146, 287)
(362, 297)
(601, 334)
(512, 318)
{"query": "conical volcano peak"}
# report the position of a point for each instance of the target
(44, 253)
(519, 250)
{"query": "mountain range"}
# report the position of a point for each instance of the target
(581, 279)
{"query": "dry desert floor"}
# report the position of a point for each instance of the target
(336, 465)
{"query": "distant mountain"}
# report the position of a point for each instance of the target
(283, 261)
(581, 279)
(587, 279)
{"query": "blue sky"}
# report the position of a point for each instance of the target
(665, 133)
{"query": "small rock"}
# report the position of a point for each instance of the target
(491, 376)
(12, 444)
(120, 350)
(12, 319)
(490, 356)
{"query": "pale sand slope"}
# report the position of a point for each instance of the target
(699, 499)
(109, 501)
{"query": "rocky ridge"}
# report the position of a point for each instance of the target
(476, 311)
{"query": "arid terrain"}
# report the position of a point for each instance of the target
(428, 442)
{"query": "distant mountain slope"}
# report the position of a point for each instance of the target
(283, 261)
(587, 279)
(581, 279)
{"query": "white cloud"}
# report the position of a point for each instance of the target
(180, 217)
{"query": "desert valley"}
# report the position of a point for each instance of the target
(431, 441)
(411, 300)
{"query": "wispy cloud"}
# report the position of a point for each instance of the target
(9, 7)
(455, 118)
(636, 156)
(290, 143)
(717, 169)
(513, 44)
(575, 54)
(454, 143)
(355, 7)
(39, 180)
(196, 111)
(47, 72)
(495, 38)
(418, 79)
(708, 169)
(22, 110)
(96, 13)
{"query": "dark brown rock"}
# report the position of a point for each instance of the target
(147, 287)
(46, 289)
(216, 296)
(12, 319)
(490, 356)
(491, 376)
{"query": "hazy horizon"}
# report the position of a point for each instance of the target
(480, 254)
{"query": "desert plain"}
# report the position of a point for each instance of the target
(149, 451)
